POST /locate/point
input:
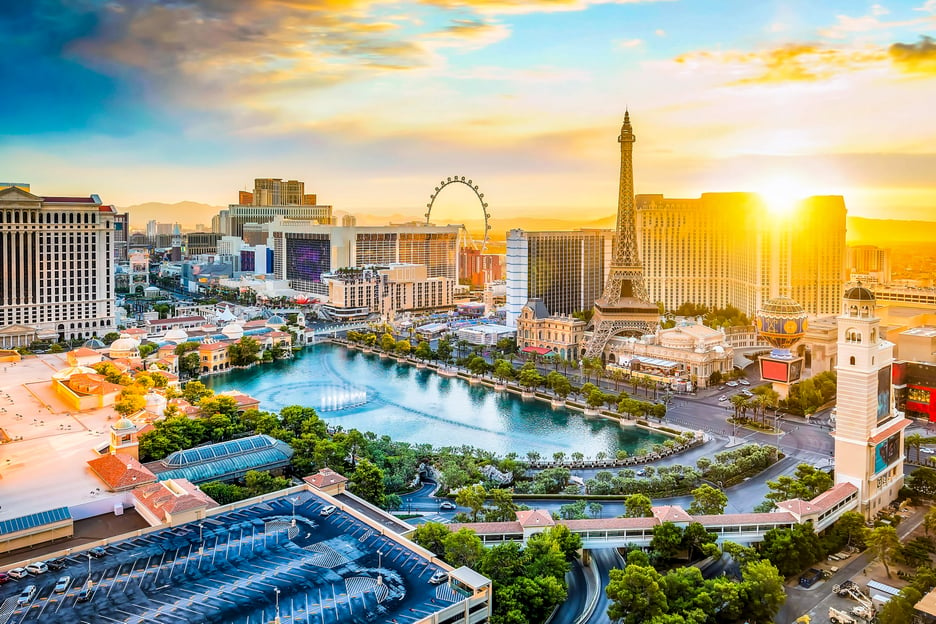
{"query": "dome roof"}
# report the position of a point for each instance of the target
(276, 320)
(859, 293)
(232, 329)
(123, 424)
(94, 343)
(176, 335)
(782, 306)
(124, 344)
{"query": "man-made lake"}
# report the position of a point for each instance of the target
(365, 392)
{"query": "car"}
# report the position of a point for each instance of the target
(723, 398)
(57, 564)
(810, 577)
(26, 595)
(449, 505)
(439, 577)
(18, 573)
(37, 568)
(5, 578)
(85, 594)
(732, 384)
(62, 585)
(746, 393)
(927, 450)
(97, 552)
(744, 382)
(641, 473)
(328, 510)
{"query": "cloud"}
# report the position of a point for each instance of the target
(846, 26)
(527, 6)
(659, 32)
(916, 58)
(795, 62)
(928, 7)
(628, 43)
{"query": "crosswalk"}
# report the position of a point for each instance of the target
(7, 608)
(325, 557)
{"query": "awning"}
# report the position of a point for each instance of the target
(538, 351)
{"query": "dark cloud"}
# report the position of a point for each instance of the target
(916, 58)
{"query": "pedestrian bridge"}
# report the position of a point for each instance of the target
(746, 529)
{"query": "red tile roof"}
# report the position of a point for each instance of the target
(671, 513)
(891, 430)
(484, 528)
(84, 352)
(611, 523)
(213, 346)
(324, 478)
(535, 518)
(120, 472)
(827, 500)
(746, 518)
(91, 383)
(172, 496)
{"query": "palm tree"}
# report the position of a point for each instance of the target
(738, 402)
(914, 440)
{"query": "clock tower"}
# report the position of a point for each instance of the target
(869, 439)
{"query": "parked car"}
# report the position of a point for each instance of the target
(328, 510)
(18, 573)
(641, 473)
(62, 585)
(811, 576)
(26, 595)
(97, 552)
(37, 568)
(927, 450)
(85, 594)
(723, 398)
(449, 505)
(57, 564)
(744, 382)
(732, 384)
(439, 577)
(5, 578)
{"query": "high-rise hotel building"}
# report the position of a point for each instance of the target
(56, 264)
(731, 249)
(272, 197)
(565, 269)
(304, 251)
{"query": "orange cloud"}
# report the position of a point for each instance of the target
(915, 58)
(527, 6)
(795, 62)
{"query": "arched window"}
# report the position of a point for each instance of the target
(851, 360)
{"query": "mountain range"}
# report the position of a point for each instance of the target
(860, 230)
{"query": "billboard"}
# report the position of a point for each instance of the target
(886, 453)
(308, 258)
(884, 394)
(784, 371)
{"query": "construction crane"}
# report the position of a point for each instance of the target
(865, 609)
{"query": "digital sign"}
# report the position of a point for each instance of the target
(886, 453)
(783, 371)
(884, 394)
(307, 259)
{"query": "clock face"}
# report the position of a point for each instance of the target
(790, 327)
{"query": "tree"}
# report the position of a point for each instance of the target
(529, 377)
(244, 351)
(367, 481)
(706, 500)
(883, 545)
(695, 539)
(423, 351)
(667, 540)
(635, 594)
(403, 347)
(851, 530)
(110, 337)
(929, 521)
(501, 563)
(503, 370)
(129, 402)
(792, 549)
(473, 497)
(195, 391)
(914, 440)
(218, 404)
(595, 398)
(638, 506)
(189, 364)
(594, 509)
(463, 548)
(431, 536)
(900, 608)
(806, 483)
(763, 589)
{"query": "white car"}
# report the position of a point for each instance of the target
(732, 384)
(37, 568)
(328, 510)
(18, 573)
(744, 382)
(928, 451)
(723, 398)
(26, 596)
(439, 577)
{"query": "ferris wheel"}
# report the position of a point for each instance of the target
(474, 187)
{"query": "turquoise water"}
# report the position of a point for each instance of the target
(370, 393)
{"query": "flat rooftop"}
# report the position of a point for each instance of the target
(239, 566)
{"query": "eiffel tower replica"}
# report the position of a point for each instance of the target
(623, 307)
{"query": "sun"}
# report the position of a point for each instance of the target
(781, 193)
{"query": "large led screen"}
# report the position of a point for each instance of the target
(884, 394)
(771, 370)
(886, 453)
(307, 259)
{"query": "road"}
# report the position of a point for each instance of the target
(606, 559)
(578, 595)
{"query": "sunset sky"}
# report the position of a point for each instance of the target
(372, 102)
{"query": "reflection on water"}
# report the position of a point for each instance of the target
(366, 392)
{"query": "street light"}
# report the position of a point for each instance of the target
(294, 501)
(201, 547)
(277, 620)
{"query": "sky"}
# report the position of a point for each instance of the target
(373, 102)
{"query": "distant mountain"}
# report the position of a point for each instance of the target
(185, 213)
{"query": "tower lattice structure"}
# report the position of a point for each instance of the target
(623, 306)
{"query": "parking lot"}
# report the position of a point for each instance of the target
(240, 567)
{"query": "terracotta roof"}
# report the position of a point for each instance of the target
(325, 477)
(213, 346)
(927, 604)
(256, 323)
(485, 528)
(84, 352)
(120, 472)
(599, 524)
(827, 500)
(745, 518)
(241, 398)
(134, 331)
(172, 496)
(671, 513)
(535, 518)
(891, 430)
(88, 383)
(278, 334)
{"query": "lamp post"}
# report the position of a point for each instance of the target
(89, 569)
(201, 547)
(294, 501)
(277, 620)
